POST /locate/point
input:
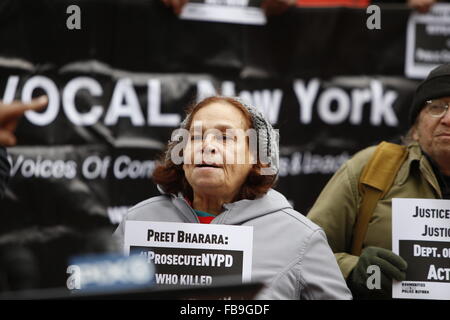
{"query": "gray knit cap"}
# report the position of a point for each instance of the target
(268, 137)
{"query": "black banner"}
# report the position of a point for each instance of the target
(118, 87)
(107, 133)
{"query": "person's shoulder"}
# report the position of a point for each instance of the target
(150, 202)
(303, 232)
(357, 162)
(143, 208)
(299, 221)
(362, 156)
(285, 213)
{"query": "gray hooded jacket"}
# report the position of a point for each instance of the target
(290, 253)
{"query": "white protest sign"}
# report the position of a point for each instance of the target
(230, 11)
(421, 236)
(191, 253)
(427, 41)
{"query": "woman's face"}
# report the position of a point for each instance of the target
(217, 160)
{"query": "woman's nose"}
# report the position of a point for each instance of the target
(210, 143)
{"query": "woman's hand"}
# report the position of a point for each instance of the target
(10, 115)
(176, 5)
(422, 6)
(276, 7)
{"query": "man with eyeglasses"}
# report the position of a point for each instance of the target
(424, 174)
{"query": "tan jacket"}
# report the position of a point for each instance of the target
(337, 206)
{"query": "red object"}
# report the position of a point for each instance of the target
(206, 220)
(333, 3)
(202, 219)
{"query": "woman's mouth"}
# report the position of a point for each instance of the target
(207, 166)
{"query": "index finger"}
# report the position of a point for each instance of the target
(394, 259)
(36, 104)
(17, 108)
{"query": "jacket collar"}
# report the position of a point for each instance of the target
(418, 161)
(237, 212)
(181, 204)
(184, 207)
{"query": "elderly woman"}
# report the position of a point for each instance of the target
(221, 179)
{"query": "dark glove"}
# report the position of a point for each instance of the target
(391, 266)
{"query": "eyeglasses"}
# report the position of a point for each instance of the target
(436, 109)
